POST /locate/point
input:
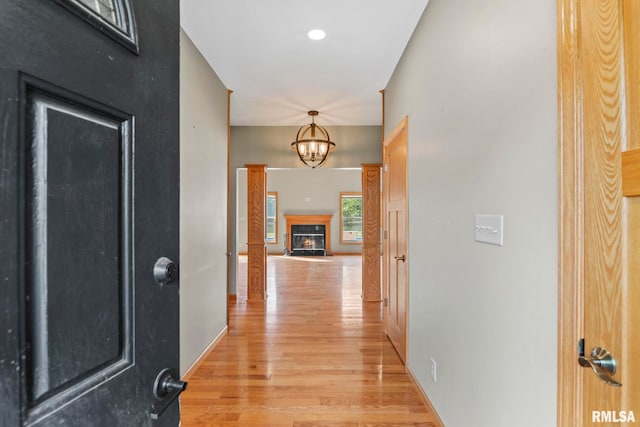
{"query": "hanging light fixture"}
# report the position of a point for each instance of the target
(313, 143)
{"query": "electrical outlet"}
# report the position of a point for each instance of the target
(433, 369)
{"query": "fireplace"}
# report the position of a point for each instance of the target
(308, 239)
(309, 234)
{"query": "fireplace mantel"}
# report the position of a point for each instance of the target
(311, 220)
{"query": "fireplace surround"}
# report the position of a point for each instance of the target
(309, 234)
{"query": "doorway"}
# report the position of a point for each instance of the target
(299, 191)
(395, 264)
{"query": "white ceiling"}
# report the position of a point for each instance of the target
(260, 50)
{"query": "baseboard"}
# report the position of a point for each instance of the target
(233, 298)
(423, 396)
(205, 353)
(332, 253)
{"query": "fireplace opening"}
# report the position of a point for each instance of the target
(308, 239)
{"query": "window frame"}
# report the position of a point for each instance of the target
(349, 194)
(124, 31)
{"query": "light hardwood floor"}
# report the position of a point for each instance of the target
(313, 355)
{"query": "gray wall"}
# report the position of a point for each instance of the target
(203, 204)
(271, 145)
(478, 83)
(303, 192)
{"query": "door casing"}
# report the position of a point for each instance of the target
(395, 271)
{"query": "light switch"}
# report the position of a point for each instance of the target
(489, 229)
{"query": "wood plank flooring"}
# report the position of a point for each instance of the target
(313, 355)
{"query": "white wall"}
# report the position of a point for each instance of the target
(478, 83)
(203, 204)
(303, 192)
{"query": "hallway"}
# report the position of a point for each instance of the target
(314, 355)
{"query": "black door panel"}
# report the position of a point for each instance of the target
(89, 197)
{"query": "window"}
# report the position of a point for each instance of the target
(350, 217)
(105, 8)
(112, 17)
(272, 217)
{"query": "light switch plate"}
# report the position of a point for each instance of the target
(489, 229)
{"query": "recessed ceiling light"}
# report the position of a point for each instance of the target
(317, 34)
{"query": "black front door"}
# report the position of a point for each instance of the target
(89, 197)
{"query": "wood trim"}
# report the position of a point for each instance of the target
(404, 123)
(382, 93)
(571, 215)
(631, 173)
(310, 219)
(400, 131)
(631, 372)
(232, 298)
(256, 246)
(424, 397)
(631, 15)
(203, 356)
(228, 253)
(371, 223)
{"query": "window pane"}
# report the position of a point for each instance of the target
(271, 229)
(271, 206)
(351, 211)
(105, 8)
(272, 218)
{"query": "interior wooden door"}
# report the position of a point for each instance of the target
(599, 84)
(89, 202)
(395, 231)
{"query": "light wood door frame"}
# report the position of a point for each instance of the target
(400, 132)
(570, 221)
(231, 298)
(595, 47)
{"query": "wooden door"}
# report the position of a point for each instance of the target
(395, 226)
(599, 86)
(89, 195)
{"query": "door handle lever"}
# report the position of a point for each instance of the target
(602, 364)
(400, 258)
(166, 389)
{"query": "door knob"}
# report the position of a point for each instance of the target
(400, 258)
(165, 271)
(601, 363)
(166, 388)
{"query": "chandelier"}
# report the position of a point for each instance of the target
(312, 143)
